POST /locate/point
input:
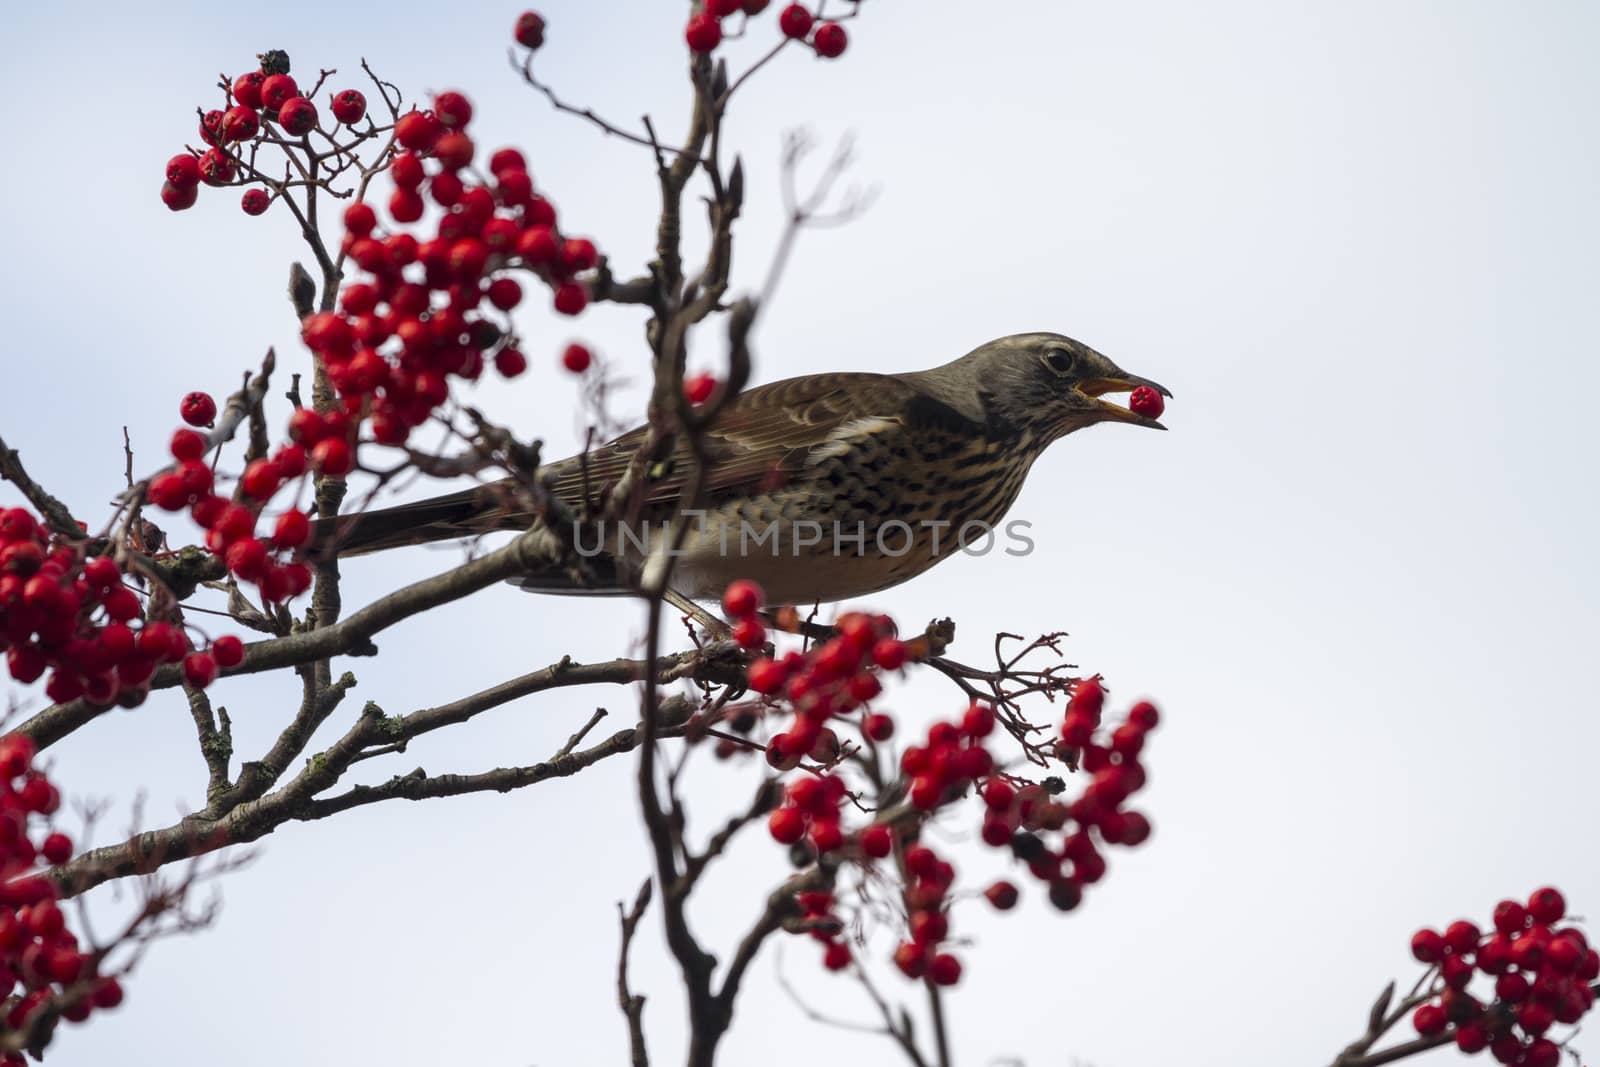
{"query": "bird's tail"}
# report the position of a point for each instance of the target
(478, 510)
(472, 511)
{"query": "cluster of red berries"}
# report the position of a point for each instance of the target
(425, 312)
(1147, 402)
(1020, 818)
(257, 100)
(37, 951)
(833, 679)
(1542, 975)
(838, 678)
(319, 442)
(928, 882)
(72, 615)
(704, 31)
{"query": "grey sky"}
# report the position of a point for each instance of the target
(1358, 241)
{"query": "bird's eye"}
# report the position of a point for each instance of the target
(1060, 360)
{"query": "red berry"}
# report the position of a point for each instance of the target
(199, 669)
(742, 599)
(107, 993)
(1429, 1019)
(1547, 905)
(878, 727)
(277, 90)
(703, 33)
(826, 836)
(1002, 894)
(1494, 955)
(292, 529)
(978, 721)
(1456, 972)
(505, 293)
(576, 358)
(405, 205)
(57, 848)
(510, 362)
(795, 21)
(247, 558)
(1147, 402)
(1472, 1037)
(998, 794)
(1541, 1053)
(183, 171)
(454, 150)
(877, 841)
(830, 40)
(261, 479)
(1462, 936)
(247, 88)
(179, 198)
(1144, 714)
(529, 30)
(1077, 730)
(407, 171)
(211, 127)
(417, 131)
(240, 123)
(297, 116)
(1510, 917)
(754, 7)
(579, 253)
(912, 959)
(453, 109)
(507, 159)
(16, 756)
(697, 388)
(187, 445)
(228, 651)
(787, 825)
(198, 409)
(348, 106)
(1427, 946)
(1535, 1018)
(1564, 954)
(538, 246)
(836, 957)
(766, 676)
(101, 573)
(921, 861)
(723, 8)
(1511, 988)
(571, 298)
(255, 201)
(945, 969)
(360, 220)
(332, 457)
(217, 167)
(889, 653)
(291, 460)
(749, 633)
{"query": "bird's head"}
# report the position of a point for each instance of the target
(1050, 385)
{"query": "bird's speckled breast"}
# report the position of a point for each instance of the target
(897, 495)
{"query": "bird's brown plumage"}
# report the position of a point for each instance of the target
(951, 444)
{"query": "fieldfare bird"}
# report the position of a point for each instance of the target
(821, 488)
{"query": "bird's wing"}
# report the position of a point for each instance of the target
(766, 436)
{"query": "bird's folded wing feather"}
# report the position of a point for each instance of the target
(766, 436)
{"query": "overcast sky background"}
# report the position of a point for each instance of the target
(1358, 242)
